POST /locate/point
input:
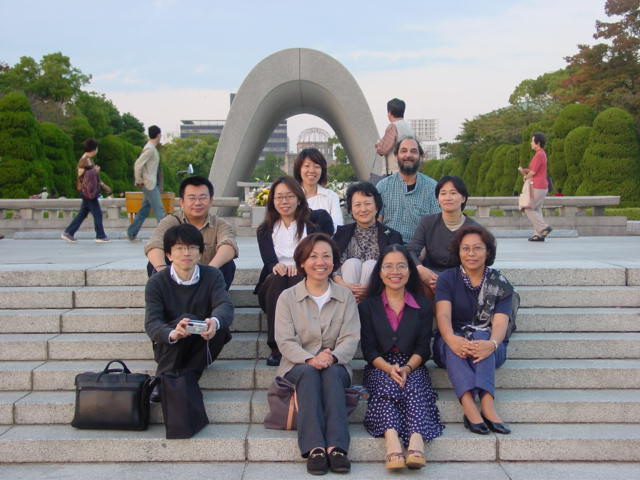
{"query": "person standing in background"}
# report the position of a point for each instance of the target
(537, 175)
(148, 176)
(397, 129)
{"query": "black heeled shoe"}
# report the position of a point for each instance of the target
(497, 427)
(479, 428)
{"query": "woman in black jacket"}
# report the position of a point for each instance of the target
(396, 327)
(287, 221)
(361, 242)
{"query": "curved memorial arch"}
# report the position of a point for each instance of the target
(287, 83)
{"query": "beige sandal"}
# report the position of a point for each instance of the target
(395, 461)
(415, 459)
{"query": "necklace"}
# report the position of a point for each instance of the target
(455, 225)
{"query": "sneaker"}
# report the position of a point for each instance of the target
(131, 238)
(103, 240)
(317, 462)
(67, 237)
(339, 462)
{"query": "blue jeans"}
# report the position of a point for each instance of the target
(151, 200)
(463, 373)
(87, 206)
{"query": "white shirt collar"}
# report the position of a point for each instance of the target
(195, 277)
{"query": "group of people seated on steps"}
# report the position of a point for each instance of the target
(410, 256)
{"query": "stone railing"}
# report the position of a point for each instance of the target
(566, 206)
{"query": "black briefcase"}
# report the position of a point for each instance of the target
(113, 399)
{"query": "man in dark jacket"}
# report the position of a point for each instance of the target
(180, 294)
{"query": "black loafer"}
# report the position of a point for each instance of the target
(497, 427)
(546, 231)
(479, 428)
(317, 463)
(155, 394)
(273, 360)
(339, 462)
(536, 238)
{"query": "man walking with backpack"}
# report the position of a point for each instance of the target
(148, 173)
(88, 183)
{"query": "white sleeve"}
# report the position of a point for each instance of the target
(335, 210)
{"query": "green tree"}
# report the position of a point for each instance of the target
(58, 150)
(433, 168)
(341, 170)
(195, 150)
(540, 93)
(23, 168)
(80, 130)
(129, 122)
(570, 117)
(611, 163)
(116, 157)
(470, 175)
(575, 144)
(270, 169)
(608, 74)
(100, 112)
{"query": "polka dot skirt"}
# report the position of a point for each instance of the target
(407, 410)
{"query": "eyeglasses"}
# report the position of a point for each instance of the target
(199, 198)
(390, 267)
(362, 205)
(185, 248)
(475, 250)
(282, 198)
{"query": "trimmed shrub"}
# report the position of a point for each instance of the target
(58, 150)
(611, 162)
(575, 145)
(572, 116)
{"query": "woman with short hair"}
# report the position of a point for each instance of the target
(317, 329)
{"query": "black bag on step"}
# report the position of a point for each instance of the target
(113, 399)
(182, 404)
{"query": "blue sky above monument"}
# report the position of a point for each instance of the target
(167, 60)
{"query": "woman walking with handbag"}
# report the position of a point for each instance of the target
(536, 175)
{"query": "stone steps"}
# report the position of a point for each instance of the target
(251, 345)
(239, 442)
(250, 406)
(248, 319)
(242, 296)
(249, 374)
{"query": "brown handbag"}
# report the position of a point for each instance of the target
(283, 404)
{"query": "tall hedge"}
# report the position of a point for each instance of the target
(572, 116)
(58, 150)
(23, 168)
(611, 163)
(116, 156)
(470, 175)
(433, 169)
(556, 163)
(575, 144)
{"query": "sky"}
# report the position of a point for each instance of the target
(169, 60)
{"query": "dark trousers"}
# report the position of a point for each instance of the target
(268, 295)
(322, 409)
(465, 375)
(190, 353)
(228, 271)
(88, 206)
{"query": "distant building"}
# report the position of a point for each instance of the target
(426, 130)
(277, 143)
(310, 138)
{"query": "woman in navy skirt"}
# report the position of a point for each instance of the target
(473, 307)
(396, 325)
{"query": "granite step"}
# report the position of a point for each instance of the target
(373, 469)
(101, 320)
(248, 319)
(239, 442)
(248, 374)
(250, 406)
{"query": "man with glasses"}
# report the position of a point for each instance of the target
(179, 295)
(220, 247)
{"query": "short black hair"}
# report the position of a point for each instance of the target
(154, 131)
(186, 234)
(305, 247)
(316, 157)
(89, 145)
(458, 183)
(396, 107)
(539, 139)
(196, 181)
(487, 238)
(367, 189)
(400, 140)
(376, 285)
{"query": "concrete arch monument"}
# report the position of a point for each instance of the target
(287, 83)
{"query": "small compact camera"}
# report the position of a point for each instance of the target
(196, 327)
